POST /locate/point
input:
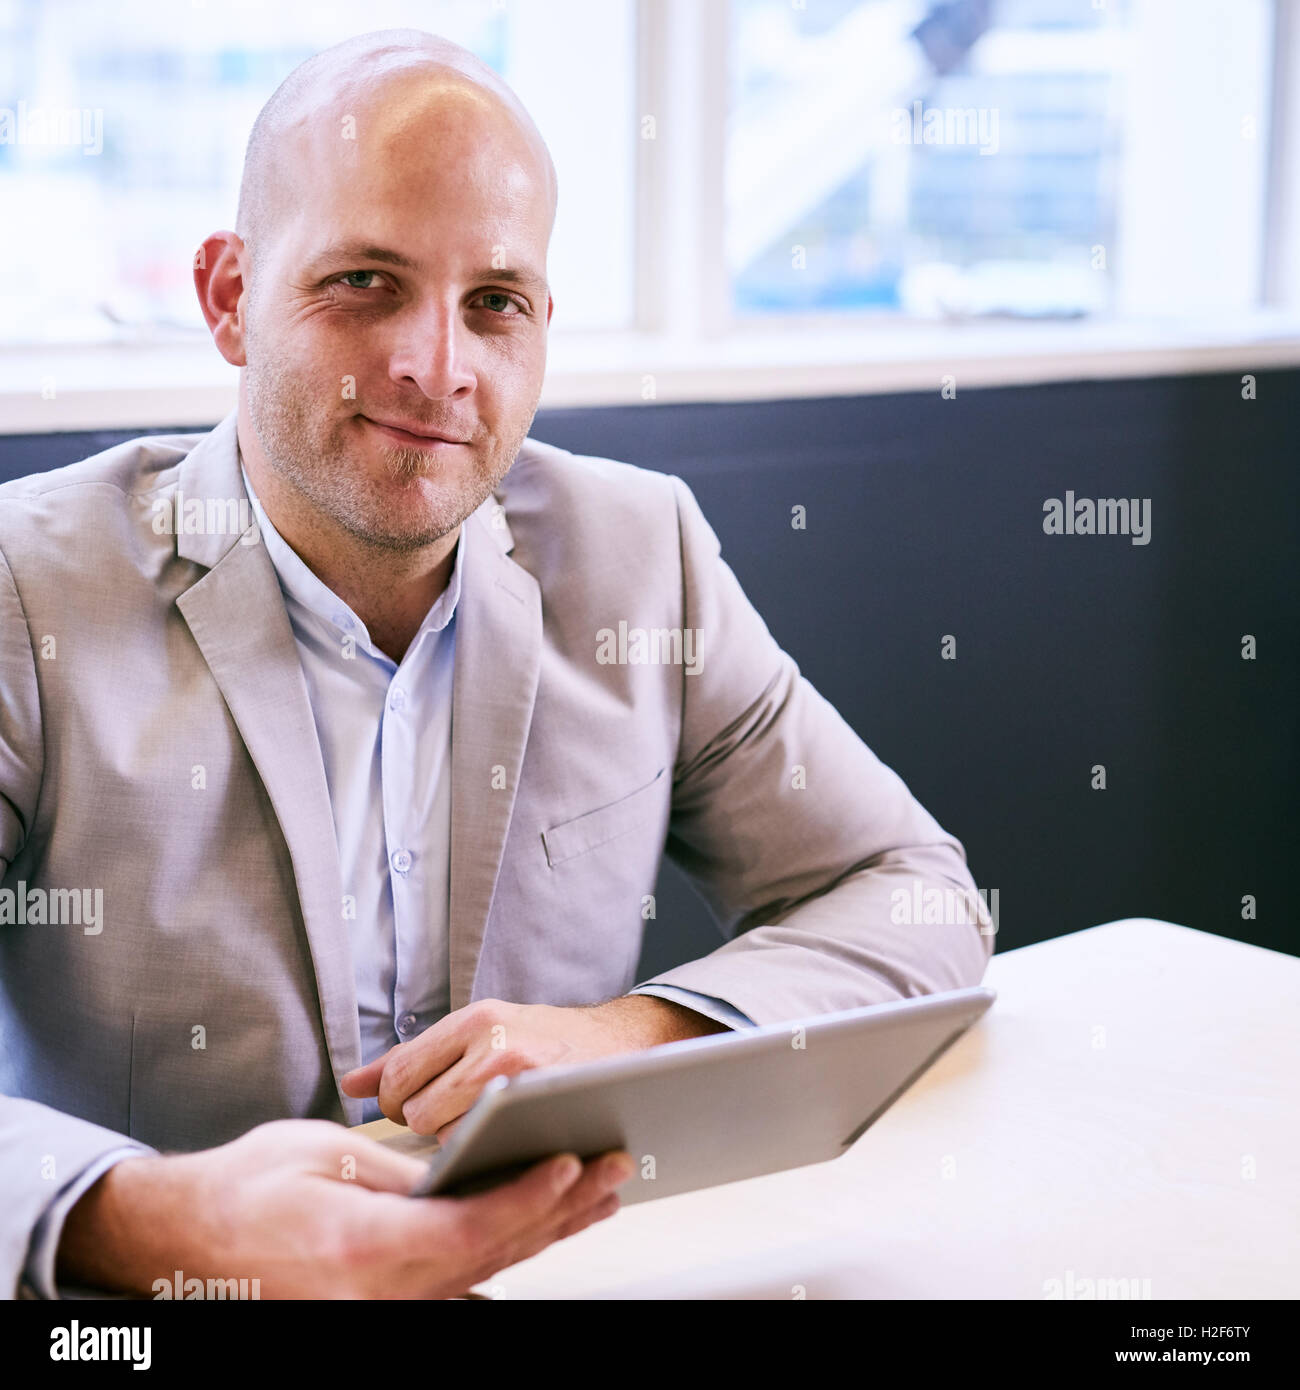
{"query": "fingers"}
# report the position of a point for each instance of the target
(382, 1170)
(534, 1242)
(600, 1179)
(349, 1157)
(535, 1207)
(328, 1211)
(444, 1132)
(364, 1081)
(497, 1217)
(435, 1078)
(408, 1065)
(591, 1199)
(333, 1151)
(387, 1243)
(411, 1066)
(600, 1212)
(437, 1105)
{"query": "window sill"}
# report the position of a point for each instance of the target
(139, 386)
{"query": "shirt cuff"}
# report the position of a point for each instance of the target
(716, 1009)
(38, 1272)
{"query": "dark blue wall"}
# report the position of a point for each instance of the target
(924, 518)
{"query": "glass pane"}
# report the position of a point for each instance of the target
(962, 159)
(122, 132)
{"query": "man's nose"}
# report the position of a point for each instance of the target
(435, 352)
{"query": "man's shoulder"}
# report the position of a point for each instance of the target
(88, 517)
(550, 466)
(564, 491)
(133, 468)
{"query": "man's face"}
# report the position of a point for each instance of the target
(401, 293)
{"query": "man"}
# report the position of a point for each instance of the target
(370, 751)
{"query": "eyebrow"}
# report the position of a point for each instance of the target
(347, 251)
(366, 251)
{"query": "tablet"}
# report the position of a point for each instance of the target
(709, 1110)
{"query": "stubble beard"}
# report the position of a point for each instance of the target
(316, 458)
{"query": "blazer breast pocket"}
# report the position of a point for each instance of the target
(587, 832)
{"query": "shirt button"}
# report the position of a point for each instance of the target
(401, 860)
(406, 1024)
(397, 700)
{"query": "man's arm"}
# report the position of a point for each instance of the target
(310, 1209)
(813, 855)
(716, 1010)
(45, 1156)
(796, 834)
(48, 1160)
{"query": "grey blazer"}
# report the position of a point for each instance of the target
(157, 746)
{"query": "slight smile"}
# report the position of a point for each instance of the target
(410, 438)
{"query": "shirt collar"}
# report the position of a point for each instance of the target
(302, 586)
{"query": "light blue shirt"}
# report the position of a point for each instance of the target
(385, 739)
(384, 729)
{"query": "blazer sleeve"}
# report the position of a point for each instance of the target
(811, 853)
(44, 1153)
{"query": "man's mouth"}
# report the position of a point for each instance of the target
(416, 436)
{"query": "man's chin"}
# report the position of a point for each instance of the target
(381, 535)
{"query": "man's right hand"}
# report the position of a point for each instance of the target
(314, 1210)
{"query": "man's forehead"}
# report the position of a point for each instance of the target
(405, 138)
(394, 151)
(414, 109)
(461, 195)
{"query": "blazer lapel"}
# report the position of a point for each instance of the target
(498, 658)
(237, 617)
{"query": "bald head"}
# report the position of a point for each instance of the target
(394, 84)
(386, 296)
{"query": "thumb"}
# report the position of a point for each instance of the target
(364, 1081)
(379, 1168)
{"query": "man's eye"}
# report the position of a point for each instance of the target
(500, 303)
(358, 275)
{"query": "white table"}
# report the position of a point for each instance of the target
(1126, 1111)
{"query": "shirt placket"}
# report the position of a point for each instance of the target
(406, 868)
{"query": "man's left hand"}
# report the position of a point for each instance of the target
(431, 1081)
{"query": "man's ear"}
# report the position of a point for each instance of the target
(550, 307)
(219, 266)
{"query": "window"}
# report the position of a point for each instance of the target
(123, 126)
(1034, 158)
(757, 197)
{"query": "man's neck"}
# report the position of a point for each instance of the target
(390, 591)
(391, 599)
